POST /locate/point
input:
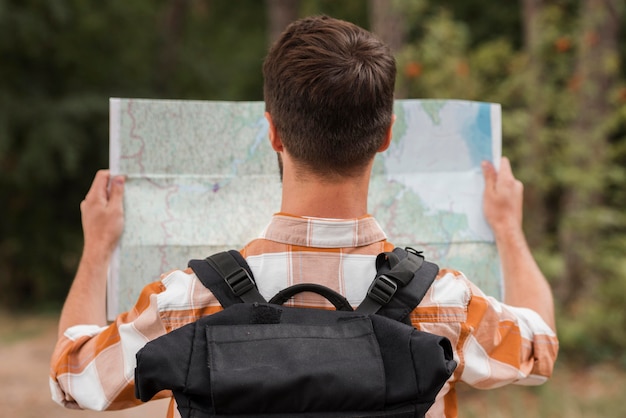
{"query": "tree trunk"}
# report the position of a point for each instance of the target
(280, 13)
(533, 148)
(597, 69)
(171, 31)
(388, 23)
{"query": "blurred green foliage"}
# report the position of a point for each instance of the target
(62, 60)
(564, 128)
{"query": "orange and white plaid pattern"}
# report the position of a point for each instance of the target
(494, 344)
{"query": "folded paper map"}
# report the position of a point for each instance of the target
(202, 177)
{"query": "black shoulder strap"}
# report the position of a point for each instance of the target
(228, 276)
(402, 279)
(393, 293)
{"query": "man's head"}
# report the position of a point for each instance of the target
(329, 91)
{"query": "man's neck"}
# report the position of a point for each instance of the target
(323, 198)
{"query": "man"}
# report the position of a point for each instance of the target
(329, 97)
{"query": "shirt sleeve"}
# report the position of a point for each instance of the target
(505, 344)
(93, 367)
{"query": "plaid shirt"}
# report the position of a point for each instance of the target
(494, 344)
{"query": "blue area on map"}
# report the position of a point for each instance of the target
(480, 135)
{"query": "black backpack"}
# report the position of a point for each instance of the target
(257, 359)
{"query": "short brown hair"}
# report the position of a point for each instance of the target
(329, 89)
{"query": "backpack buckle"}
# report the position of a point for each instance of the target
(382, 289)
(240, 282)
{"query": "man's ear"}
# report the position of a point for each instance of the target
(388, 136)
(275, 141)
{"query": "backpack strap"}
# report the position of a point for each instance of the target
(228, 277)
(402, 279)
(393, 293)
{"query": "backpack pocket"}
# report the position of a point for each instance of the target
(289, 368)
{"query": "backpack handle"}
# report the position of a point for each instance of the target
(340, 302)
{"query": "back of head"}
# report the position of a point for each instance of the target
(329, 89)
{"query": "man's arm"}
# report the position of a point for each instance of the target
(102, 217)
(524, 283)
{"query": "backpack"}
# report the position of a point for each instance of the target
(262, 359)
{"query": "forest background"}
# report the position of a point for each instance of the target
(555, 66)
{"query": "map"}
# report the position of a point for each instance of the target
(202, 177)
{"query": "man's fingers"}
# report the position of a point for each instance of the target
(506, 179)
(505, 169)
(99, 186)
(489, 173)
(117, 190)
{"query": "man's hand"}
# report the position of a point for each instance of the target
(103, 222)
(503, 198)
(102, 213)
(524, 283)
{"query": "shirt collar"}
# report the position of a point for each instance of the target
(323, 233)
